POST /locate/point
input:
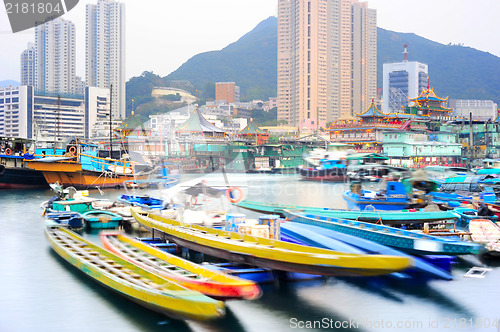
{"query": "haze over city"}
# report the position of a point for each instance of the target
(162, 35)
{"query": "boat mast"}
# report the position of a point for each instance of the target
(110, 130)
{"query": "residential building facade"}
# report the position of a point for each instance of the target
(228, 92)
(55, 57)
(28, 65)
(327, 51)
(105, 51)
(482, 110)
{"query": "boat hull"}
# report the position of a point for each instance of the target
(404, 240)
(72, 174)
(216, 285)
(391, 218)
(355, 203)
(21, 178)
(333, 174)
(268, 253)
(168, 303)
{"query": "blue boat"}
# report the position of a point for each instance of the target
(143, 201)
(394, 197)
(99, 219)
(400, 239)
(328, 170)
(68, 219)
(324, 238)
(467, 214)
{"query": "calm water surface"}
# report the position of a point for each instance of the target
(40, 292)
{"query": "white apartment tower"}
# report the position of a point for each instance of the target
(55, 57)
(327, 60)
(28, 65)
(105, 50)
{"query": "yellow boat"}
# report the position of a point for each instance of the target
(129, 280)
(212, 283)
(270, 253)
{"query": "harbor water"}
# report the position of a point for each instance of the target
(41, 292)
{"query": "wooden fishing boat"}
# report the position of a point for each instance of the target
(384, 217)
(86, 169)
(270, 253)
(185, 273)
(100, 219)
(486, 232)
(408, 241)
(131, 281)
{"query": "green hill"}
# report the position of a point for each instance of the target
(251, 62)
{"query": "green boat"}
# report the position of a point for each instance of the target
(409, 241)
(392, 218)
(99, 219)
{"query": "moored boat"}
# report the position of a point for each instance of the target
(385, 217)
(408, 241)
(100, 219)
(270, 253)
(144, 201)
(69, 219)
(217, 285)
(86, 169)
(143, 287)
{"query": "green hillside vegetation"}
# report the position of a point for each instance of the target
(251, 62)
(455, 71)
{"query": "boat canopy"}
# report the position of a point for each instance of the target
(363, 156)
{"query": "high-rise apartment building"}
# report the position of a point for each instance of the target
(55, 57)
(327, 54)
(402, 81)
(28, 65)
(105, 50)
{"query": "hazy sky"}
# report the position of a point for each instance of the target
(163, 34)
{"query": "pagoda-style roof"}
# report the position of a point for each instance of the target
(372, 111)
(251, 129)
(428, 94)
(347, 117)
(197, 123)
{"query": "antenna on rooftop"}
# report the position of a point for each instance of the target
(405, 52)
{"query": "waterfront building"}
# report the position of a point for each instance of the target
(28, 65)
(105, 50)
(97, 103)
(402, 81)
(417, 149)
(227, 92)
(55, 58)
(327, 54)
(482, 110)
(25, 114)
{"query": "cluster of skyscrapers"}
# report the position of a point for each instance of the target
(50, 63)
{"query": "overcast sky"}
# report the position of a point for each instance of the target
(163, 34)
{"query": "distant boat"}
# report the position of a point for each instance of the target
(129, 280)
(262, 252)
(144, 201)
(393, 197)
(183, 272)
